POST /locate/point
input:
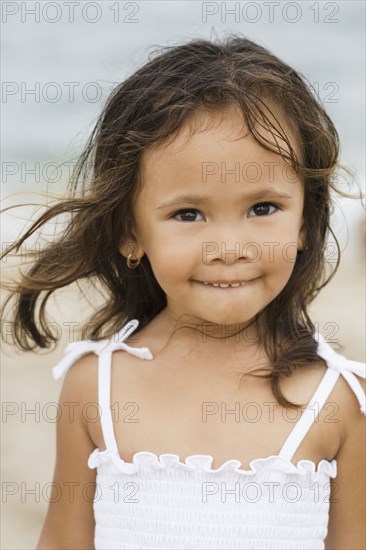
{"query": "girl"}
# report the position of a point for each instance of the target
(205, 218)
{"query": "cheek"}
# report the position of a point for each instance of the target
(171, 263)
(285, 264)
(288, 254)
(278, 260)
(281, 248)
(170, 244)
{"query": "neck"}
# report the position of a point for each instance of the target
(205, 337)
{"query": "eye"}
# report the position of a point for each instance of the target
(263, 208)
(190, 210)
(189, 214)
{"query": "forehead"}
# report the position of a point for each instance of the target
(219, 137)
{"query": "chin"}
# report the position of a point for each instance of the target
(230, 320)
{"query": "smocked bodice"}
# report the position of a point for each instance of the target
(164, 502)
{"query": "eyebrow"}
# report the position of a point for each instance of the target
(267, 193)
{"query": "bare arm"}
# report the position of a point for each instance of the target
(346, 529)
(69, 522)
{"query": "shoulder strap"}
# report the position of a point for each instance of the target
(104, 349)
(338, 364)
(104, 388)
(104, 399)
(75, 350)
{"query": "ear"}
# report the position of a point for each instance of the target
(130, 244)
(302, 237)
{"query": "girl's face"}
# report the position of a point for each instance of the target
(209, 211)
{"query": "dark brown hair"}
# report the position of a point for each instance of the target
(147, 110)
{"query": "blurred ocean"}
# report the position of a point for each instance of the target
(60, 64)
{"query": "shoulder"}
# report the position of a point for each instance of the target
(342, 407)
(349, 377)
(348, 503)
(82, 368)
(344, 397)
(80, 383)
(350, 413)
(73, 448)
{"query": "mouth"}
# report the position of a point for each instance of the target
(223, 285)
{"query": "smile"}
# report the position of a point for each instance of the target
(223, 285)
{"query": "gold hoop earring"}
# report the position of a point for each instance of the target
(134, 263)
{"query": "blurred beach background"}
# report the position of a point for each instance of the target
(72, 59)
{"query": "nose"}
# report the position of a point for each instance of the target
(229, 253)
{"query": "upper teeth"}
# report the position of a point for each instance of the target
(223, 285)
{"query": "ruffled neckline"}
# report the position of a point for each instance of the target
(202, 463)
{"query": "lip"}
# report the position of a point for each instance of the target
(225, 282)
(240, 284)
(218, 282)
